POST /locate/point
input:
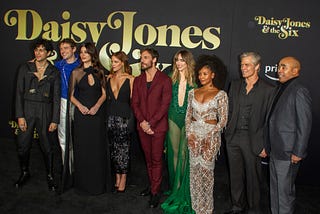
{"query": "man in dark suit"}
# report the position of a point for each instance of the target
(289, 126)
(151, 98)
(249, 99)
(37, 106)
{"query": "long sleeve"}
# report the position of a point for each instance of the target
(56, 97)
(136, 99)
(230, 100)
(222, 112)
(72, 83)
(19, 102)
(74, 79)
(165, 103)
(303, 121)
(188, 119)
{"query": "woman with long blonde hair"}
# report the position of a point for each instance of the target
(176, 143)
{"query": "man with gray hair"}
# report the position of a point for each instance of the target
(249, 100)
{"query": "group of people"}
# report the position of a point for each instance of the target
(182, 116)
(266, 122)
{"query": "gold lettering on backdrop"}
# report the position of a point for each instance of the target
(21, 21)
(175, 35)
(94, 30)
(51, 31)
(188, 33)
(65, 27)
(211, 38)
(127, 24)
(284, 28)
(78, 33)
(14, 125)
(149, 30)
(30, 25)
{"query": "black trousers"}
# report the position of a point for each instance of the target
(245, 173)
(24, 139)
(37, 115)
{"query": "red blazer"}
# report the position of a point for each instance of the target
(152, 104)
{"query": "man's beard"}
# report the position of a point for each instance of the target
(147, 66)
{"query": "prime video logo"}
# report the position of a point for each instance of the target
(271, 72)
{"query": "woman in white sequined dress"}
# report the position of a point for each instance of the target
(206, 117)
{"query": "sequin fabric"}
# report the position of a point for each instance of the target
(120, 143)
(207, 140)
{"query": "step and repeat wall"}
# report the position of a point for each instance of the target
(222, 27)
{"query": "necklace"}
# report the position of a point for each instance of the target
(41, 67)
(40, 70)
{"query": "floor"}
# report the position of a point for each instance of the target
(35, 198)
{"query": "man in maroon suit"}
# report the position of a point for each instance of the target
(151, 98)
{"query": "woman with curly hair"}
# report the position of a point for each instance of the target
(205, 118)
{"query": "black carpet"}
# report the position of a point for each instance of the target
(35, 198)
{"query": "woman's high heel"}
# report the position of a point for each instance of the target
(121, 191)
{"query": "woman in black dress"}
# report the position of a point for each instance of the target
(119, 89)
(87, 93)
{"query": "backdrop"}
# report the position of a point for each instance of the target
(222, 27)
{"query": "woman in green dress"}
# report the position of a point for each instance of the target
(177, 154)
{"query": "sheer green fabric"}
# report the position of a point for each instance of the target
(177, 155)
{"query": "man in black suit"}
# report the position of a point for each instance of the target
(249, 100)
(289, 126)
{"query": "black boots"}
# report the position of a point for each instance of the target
(154, 200)
(51, 184)
(24, 177)
(25, 174)
(145, 192)
(48, 159)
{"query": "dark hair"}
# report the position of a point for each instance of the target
(122, 56)
(215, 64)
(92, 51)
(154, 53)
(69, 41)
(45, 43)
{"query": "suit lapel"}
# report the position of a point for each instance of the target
(154, 81)
(236, 94)
(144, 85)
(272, 101)
(283, 98)
(238, 91)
